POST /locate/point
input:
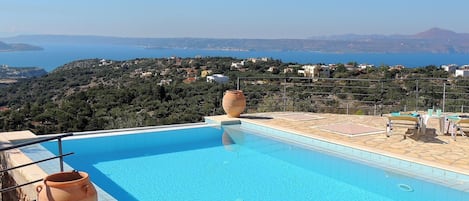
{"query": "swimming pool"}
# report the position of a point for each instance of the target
(235, 163)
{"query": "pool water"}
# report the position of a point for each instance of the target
(234, 164)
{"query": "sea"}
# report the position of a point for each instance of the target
(56, 55)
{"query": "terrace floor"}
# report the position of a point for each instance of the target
(430, 147)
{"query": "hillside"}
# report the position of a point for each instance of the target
(96, 94)
(102, 94)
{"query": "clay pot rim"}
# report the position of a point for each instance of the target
(234, 91)
(84, 176)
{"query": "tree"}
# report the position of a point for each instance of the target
(353, 63)
(340, 68)
(161, 93)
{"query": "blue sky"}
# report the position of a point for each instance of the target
(230, 18)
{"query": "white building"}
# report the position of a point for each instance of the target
(288, 70)
(273, 69)
(254, 60)
(218, 78)
(309, 71)
(146, 74)
(462, 72)
(104, 62)
(451, 68)
(237, 64)
(165, 82)
(464, 66)
(365, 66)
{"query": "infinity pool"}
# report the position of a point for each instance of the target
(234, 163)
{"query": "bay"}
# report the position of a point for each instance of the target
(55, 55)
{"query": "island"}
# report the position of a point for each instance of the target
(10, 47)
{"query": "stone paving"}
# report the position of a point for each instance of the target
(431, 148)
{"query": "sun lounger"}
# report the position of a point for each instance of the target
(408, 121)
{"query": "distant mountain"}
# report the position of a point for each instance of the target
(434, 40)
(357, 37)
(437, 33)
(4, 47)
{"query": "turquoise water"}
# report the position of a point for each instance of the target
(233, 164)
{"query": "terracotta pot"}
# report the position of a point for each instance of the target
(234, 103)
(67, 186)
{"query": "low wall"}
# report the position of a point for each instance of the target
(7, 180)
(14, 158)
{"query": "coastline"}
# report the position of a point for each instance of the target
(20, 50)
(56, 55)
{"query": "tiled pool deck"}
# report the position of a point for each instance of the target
(358, 131)
(430, 148)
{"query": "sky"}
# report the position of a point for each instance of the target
(259, 19)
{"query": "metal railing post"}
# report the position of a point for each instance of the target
(444, 96)
(284, 94)
(382, 97)
(61, 158)
(417, 95)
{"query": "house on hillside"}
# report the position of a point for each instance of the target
(146, 74)
(397, 67)
(309, 71)
(450, 68)
(104, 62)
(314, 71)
(288, 70)
(273, 69)
(165, 82)
(461, 73)
(218, 78)
(464, 67)
(205, 73)
(254, 60)
(237, 65)
(365, 66)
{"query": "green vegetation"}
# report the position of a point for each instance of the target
(20, 73)
(94, 95)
